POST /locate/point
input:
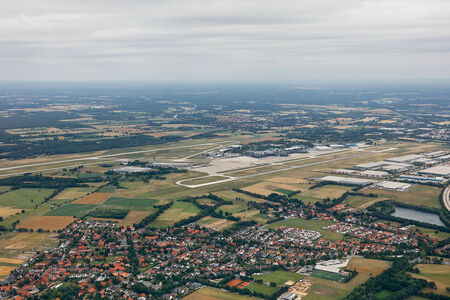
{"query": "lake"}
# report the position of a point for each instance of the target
(417, 215)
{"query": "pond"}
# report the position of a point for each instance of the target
(417, 215)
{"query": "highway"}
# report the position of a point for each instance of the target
(447, 198)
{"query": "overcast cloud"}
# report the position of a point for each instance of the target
(224, 40)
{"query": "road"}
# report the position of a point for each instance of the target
(230, 178)
(99, 157)
(446, 196)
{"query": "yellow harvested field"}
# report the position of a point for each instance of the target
(5, 270)
(289, 180)
(6, 211)
(73, 193)
(46, 222)
(266, 188)
(367, 266)
(11, 260)
(214, 223)
(95, 198)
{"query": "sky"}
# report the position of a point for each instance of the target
(228, 40)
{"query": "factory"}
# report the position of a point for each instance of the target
(393, 186)
(370, 165)
(434, 154)
(346, 180)
(131, 169)
(422, 179)
(396, 167)
(443, 171)
(405, 158)
(366, 173)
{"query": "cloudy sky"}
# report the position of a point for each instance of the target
(280, 40)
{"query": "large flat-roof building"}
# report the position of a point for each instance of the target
(393, 186)
(436, 171)
(404, 158)
(370, 165)
(347, 180)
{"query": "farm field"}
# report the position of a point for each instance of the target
(371, 267)
(95, 198)
(279, 277)
(418, 195)
(266, 188)
(179, 210)
(310, 225)
(253, 214)
(440, 274)
(19, 245)
(207, 293)
(131, 203)
(76, 210)
(215, 223)
(46, 223)
(133, 217)
(6, 211)
(74, 193)
(323, 192)
(24, 198)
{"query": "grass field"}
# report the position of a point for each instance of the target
(308, 224)
(262, 288)
(207, 293)
(95, 198)
(24, 198)
(418, 195)
(179, 210)
(74, 193)
(131, 203)
(253, 214)
(46, 222)
(76, 210)
(328, 275)
(361, 201)
(279, 277)
(320, 193)
(440, 274)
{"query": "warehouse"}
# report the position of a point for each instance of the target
(436, 171)
(395, 168)
(434, 154)
(405, 158)
(374, 174)
(345, 180)
(370, 165)
(345, 172)
(421, 179)
(393, 186)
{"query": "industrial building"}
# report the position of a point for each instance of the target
(405, 158)
(367, 173)
(346, 180)
(393, 186)
(422, 179)
(434, 154)
(370, 165)
(436, 171)
(396, 167)
(131, 169)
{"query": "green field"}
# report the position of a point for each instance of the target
(328, 275)
(107, 189)
(383, 294)
(131, 203)
(180, 210)
(71, 209)
(25, 198)
(418, 195)
(262, 288)
(320, 193)
(310, 225)
(284, 191)
(279, 277)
